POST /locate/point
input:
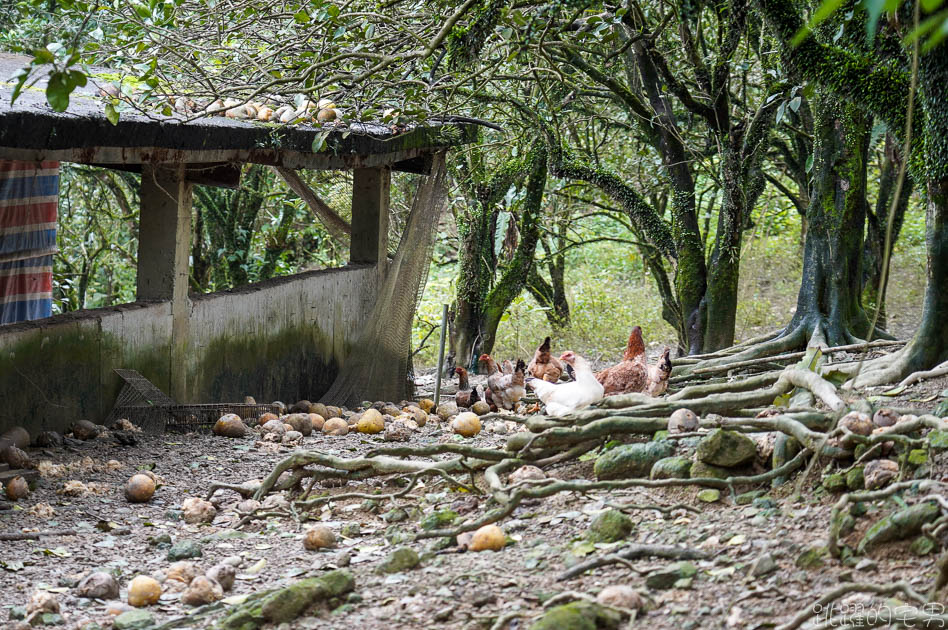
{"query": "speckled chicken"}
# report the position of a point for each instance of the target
(633, 374)
(505, 389)
(545, 366)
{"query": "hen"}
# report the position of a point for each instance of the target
(633, 373)
(545, 366)
(466, 395)
(657, 382)
(566, 398)
(505, 389)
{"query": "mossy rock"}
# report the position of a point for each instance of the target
(630, 461)
(671, 575)
(922, 546)
(660, 435)
(396, 534)
(811, 558)
(847, 523)
(856, 479)
(610, 526)
(288, 603)
(285, 604)
(726, 449)
(747, 498)
(134, 620)
(184, 549)
(402, 559)
(835, 482)
(710, 495)
(899, 525)
(700, 470)
(579, 616)
(671, 468)
(436, 520)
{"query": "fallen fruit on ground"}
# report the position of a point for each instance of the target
(488, 538)
(140, 488)
(319, 537)
(467, 424)
(336, 426)
(143, 591)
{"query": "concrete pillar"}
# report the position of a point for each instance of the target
(370, 200)
(164, 247)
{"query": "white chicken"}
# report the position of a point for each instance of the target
(566, 398)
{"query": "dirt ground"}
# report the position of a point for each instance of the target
(448, 589)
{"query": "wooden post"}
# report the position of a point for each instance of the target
(444, 334)
(164, 243)
(370, 200)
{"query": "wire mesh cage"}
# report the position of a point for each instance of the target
(153, 411)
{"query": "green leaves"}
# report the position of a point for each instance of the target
(60, 86)
(111, 113)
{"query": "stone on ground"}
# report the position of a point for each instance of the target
(726, 449)
(631, 460)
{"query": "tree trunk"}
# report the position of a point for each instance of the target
(552, 295)
(691, 274)
(829, 308)
(514, 278)
(467, 316)
(929, 346)
(478, 308)
(876, 226)
(719, 306)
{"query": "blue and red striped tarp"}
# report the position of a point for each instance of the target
(29, 193)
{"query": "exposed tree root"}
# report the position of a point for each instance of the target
(892, 368)
(549, 487)
(808, 334)
(836, 520)
(633, 552)
(915, 377)
(820, 607)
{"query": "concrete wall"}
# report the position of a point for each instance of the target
(282, 339)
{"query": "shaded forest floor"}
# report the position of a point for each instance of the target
(448, 589)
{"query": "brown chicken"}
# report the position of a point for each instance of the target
(545, 366)
(466, 395)
(633, 373)
(505, 389)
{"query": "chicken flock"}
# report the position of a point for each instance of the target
(566, 384)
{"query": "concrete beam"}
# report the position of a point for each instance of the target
(164, 243)
(370, 201)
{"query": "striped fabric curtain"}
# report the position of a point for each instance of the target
(29, 194)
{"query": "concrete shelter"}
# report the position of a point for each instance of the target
(283, 338)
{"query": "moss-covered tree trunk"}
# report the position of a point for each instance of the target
(691, 273)
(719, 306)
(480, 302)
(474, 258)
(881, 88)
(514, 277)
(829, 308)
(929, 346)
